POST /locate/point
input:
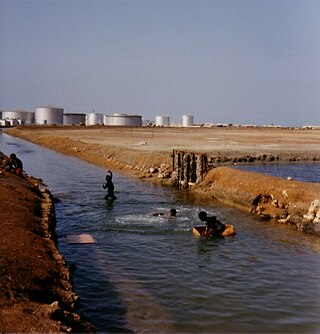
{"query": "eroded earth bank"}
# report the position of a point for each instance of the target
(35, 283)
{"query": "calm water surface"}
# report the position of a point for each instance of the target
(148, 274)
(297, 171)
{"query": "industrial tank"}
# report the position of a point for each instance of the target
(49, 116)
(187, 120)
(25, 117)
(162, 120)
(74, 119)
(123, 120)
(94, 118)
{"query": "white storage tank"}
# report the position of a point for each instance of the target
(187, 120)
(122, 120)
(94, 118)
(49, 116)
(25, 117)
(74, 119)
(162, 120)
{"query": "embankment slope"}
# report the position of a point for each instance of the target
(36, 285)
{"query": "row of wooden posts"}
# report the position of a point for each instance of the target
(190, 167)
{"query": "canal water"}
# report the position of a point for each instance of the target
(148, 274)
(297, 171)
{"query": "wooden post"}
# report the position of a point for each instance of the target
(193, 169)
(186, 170)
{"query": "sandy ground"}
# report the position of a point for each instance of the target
(284, 142)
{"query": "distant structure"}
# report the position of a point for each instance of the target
(122, 120)
(9, 122)
(187, 120)
(18, 116)
(74, 119)
(94, 118)
(162, 120)
(49, 116)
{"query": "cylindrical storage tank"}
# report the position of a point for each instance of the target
(28, 117)
(122, 120)
(25, 117)
(134, 120)
(94, 119)
(187, 120)
(74, 119)
(49, 116)
(162, 120)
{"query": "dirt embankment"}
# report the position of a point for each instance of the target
(146, 154)
(36, 285)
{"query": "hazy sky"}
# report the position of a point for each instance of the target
(223, 61)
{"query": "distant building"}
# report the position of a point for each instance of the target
(162, 120)
(24, 117)
(49, 116)
(117, 119)
(74, 119)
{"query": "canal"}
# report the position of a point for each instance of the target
(149, 274)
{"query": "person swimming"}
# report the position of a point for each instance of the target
(168, 214)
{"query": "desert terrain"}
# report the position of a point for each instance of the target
(227, 141)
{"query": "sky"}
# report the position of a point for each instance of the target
(222, 61)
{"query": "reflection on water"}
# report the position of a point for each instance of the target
(149, 274)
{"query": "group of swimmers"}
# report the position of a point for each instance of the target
(213, 225)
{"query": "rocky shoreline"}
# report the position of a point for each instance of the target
(36, 285)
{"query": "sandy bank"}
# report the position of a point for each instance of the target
(146, 153)
(36, 285)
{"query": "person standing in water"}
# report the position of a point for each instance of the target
(109, 186)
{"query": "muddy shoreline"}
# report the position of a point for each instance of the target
(37, 292)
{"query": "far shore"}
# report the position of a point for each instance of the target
(146, 153)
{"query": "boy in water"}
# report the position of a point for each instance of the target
(169, 214)
(213, 225)
(109, 185)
